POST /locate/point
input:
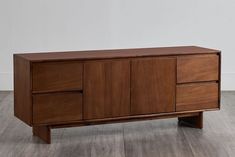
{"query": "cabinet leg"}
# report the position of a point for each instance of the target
(43, 132)
(195, 121)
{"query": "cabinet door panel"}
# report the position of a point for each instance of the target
(106, 89)
(153, 82)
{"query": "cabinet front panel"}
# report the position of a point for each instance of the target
(197, 96)
(195, 68)
(57, 107)
(153, 82)
(53, 76)
(106, 89)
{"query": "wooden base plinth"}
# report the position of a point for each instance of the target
(43, 132)
(194, 121)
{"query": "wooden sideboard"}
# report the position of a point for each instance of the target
(63, 89)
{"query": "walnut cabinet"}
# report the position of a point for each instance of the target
(61, 89)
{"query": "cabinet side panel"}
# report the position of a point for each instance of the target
(22, 95)
(219, 89)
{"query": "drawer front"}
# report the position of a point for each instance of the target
(52, 76)
(197, 96)
(197, 68)
(57, 107)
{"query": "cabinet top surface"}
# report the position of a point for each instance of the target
(115, 53)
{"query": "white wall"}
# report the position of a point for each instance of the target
(58, 25)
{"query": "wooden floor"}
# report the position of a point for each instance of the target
(156, 138)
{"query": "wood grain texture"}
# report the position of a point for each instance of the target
(85, 88)
(197, 96)
(22, 90)
(43, 132)
(106, 89)
(153, 85)
(121, 53)
(57, 76)
(57, 107)
(197, 68)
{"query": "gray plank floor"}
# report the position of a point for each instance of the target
(156, 138)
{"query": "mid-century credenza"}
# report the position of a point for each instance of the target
(63, 89)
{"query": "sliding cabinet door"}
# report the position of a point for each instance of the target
(153, 82)
(106, 89)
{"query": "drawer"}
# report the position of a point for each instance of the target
(53, 76)
(197, 96)
(195, 68)
(57, 107)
